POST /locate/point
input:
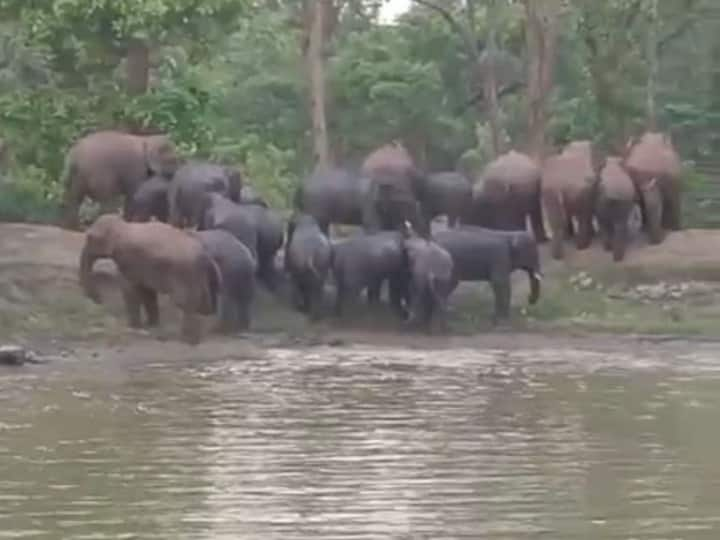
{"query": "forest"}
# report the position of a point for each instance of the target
(277, 86)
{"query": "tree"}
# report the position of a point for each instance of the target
(541, 36)
(317, 24)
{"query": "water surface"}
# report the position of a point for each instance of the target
(364, 444)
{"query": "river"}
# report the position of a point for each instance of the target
(365, 443)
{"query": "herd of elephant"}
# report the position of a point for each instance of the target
(195, 230)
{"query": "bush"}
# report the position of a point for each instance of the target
(27, 195)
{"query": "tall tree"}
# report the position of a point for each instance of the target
(541, 36)
(318, 14)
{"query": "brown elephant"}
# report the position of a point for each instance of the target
(507, 193)
(569, 181)
(655, 168)
(106, 164)
(153, 258)
(394, 190)
(615, 201)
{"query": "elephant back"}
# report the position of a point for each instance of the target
(512, 171)
(653, 156)
(392, 165)
(615, 182)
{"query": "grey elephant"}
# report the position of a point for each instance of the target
(190, 184)
(106, 164)
(270, 231)
(153, 258)
(614, 205)
(507, 194)
(248, 195)
(656, 170)
(366, 262)
(333, 195)
(447, 193)
(237, 268)
(222, 213)
(150, 200)
(569, 184)
(395, 190)
(487, 255)
(308, 258)
(431, 280)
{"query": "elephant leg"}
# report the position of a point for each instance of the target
(536, 220)
(132, 297)
(672, 210)
(558, 223)
(149, 300)
(190, 328)
(73, 197)
(315, 301)
(400, 292)
(227, 312)
(653, 204)
(584, 213)
(374, 291)
(502, 290)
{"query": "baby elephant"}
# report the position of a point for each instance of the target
(616, 198)
(237, 268)
(153, 258)
(366, 261)
(150, 200)
(431, 281)
(308, 256)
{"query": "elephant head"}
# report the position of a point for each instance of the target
(99, 239)
(161, 155)
(525, 256)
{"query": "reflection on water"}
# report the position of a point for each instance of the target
(363, 445)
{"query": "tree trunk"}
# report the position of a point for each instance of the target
(541, 38)
(138, 67)
(652, 52)
(315, 65)
(490, 84)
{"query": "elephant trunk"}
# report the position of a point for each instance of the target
(87, 260)
(535, 278)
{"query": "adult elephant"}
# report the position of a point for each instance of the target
(394, 192)
(333, 195)
(447, 193)
(105, 164)
(569, 182)
(187, 195)
(615, 201)
(153, 258)
(237, 268)
(270, 232)
(507, 193)
(655, 168)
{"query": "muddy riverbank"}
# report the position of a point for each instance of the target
(668, 290)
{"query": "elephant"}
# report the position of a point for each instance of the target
(308, 258)
(105, 164)
(655, 168)
(186, 195)
(569, 183)
(366, 261)
(237, 268)
(524, 255)
(431, 280)
(614, 205)
(150, 200)
(448, 193)
(333, 195)
(153, 258)
(507, 193)
(394, 192)
(270, 231)
(486, 255)
(222, 213)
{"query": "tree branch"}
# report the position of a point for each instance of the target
(683, 27)
(456, 26)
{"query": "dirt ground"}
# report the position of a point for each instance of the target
(670, 289)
